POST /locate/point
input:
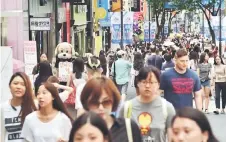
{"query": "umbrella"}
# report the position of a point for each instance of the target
(17, 64)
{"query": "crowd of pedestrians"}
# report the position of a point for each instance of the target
(92, 106)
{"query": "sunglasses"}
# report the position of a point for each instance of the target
(105, 104)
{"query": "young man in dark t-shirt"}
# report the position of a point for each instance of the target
(179, 83)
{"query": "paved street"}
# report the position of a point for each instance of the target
(218, 122)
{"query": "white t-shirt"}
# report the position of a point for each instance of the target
(79, 89)
(11, 123)
(64, 95)
(35, 130)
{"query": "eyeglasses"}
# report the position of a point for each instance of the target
(149, 83)
(105, 104)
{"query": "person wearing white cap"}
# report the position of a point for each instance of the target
(120, 72)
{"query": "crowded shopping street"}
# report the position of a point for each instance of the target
(113, 71)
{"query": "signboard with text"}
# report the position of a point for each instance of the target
(39, 24)
(65, 68)
(30, 56)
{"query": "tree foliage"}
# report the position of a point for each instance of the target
(157, 7)
(207, 6)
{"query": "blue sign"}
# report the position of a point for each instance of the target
(116, 33)
(106, 20)
(128, 29)
(169, 5)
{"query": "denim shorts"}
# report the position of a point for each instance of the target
(205, 83)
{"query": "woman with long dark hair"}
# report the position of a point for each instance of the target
(219, 78)
(51, 123)
(14, 111)
(194, 57)
(90, 127)
(43, 57)
(191, 125)
(45, 71)
(137, 65)
(204, 72)
(103, 62)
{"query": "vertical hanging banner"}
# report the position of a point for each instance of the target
(115, 28)
(153, 30)
(166, 31)
(105, 21)
(128, 27)
(116, 5)
(138, 24)
(146, 31)
(206, 30)
(102, 9)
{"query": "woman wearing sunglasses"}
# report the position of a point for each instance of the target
(101, 96)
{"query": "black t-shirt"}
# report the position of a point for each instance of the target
(119, 133)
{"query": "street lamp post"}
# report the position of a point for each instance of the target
(121, 45)
(220, 50)
(149, 22)
(203, 31)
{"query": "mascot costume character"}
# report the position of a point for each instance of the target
(65, 54)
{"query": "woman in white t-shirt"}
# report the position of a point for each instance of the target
(93, 69)
(51, 123)
(14, 111)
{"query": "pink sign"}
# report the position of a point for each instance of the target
(30, 56)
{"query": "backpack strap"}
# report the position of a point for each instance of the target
(128, 109)
(164, 108)
(129, 129)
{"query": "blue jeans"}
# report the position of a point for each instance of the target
(123, 88)
(205, 83)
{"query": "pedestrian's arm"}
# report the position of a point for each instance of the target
(112, 69)
(198, 71)
(223, 76)
(63, 87)
(198, 99)
(171, 113)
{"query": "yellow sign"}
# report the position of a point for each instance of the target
(101, 13)
(98, 45)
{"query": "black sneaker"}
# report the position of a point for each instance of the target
(216, 112)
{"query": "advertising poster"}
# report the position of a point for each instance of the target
(65, 68)
(107, 21)
(30, 56)
(128, 27)
(138, 25)
(103, 9)
(116, 27)
(146, 31)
